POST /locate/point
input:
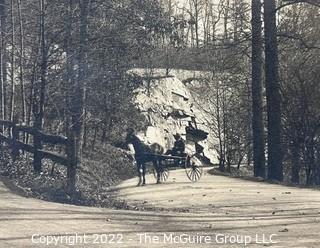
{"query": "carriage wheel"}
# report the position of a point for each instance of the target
(164, 173)
(193, 168)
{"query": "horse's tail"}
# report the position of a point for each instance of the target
(156, 148)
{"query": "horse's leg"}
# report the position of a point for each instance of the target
(157, 165)
(144, 173)
(139, 167)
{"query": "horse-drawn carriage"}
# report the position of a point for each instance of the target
(162, 162)
(190, 164)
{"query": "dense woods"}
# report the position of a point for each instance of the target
(64, 63)
(261, 41)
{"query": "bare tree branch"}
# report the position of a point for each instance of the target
(291, 2)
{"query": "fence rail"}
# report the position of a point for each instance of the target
(39, 138)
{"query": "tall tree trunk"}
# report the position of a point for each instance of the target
(69, 97)
(221, 139)
(275, 167)
(196, 8)
(83, 64)
(226, 20)
(31, 94)
(213, 25)
(12, 97)
(69, 73)
(235, 21)
(44, 63)
(205, 24)
(21, 64)
(39, 90)
(192, 36)
(3, 66)
(257, 102)
(79, 95)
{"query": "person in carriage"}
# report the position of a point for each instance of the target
(178, 149)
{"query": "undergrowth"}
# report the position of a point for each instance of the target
(99, 170)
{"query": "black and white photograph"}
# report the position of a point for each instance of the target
(159, 123)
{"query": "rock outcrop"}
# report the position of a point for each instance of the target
(169, 108)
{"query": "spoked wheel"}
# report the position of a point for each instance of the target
(164, 173)
(193, 168)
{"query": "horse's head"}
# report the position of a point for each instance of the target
(130, 136)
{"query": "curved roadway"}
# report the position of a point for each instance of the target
(214, 212)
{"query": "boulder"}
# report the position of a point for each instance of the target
(169, 108)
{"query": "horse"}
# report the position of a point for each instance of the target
(144, 154)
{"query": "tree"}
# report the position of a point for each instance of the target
(78, 98)
(70, 100)
(21, 64)
(195, 8)
(3, 67)
(275, 156)
(257, 98)
(12, 62)
(299, 59)
(290, 2)
(226, 19)
(40, 88)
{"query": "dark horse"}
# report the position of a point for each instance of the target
(144, 154)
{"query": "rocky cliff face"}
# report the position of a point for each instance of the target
(170, 108)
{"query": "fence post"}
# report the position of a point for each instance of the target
(37, 157)
(72, 164)
(14, 145)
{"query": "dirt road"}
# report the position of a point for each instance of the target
(215, 212)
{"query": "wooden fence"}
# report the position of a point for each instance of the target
(39, 138)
